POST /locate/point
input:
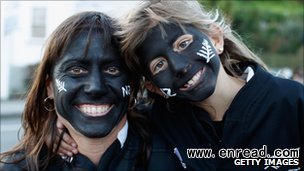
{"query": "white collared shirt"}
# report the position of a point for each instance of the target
(122, 134)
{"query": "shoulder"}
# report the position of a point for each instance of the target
(13, 162)
(281, 87)
(288, 90)
(10, 167)
(281, 95)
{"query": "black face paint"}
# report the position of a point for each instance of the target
(184, 63)
(91, 92)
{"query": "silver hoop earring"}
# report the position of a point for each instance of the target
(48, 104)
(133, 102)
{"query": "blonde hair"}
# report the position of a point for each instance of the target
(150, 14)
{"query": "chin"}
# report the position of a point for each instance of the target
(95, 134)
(201, 96)
(95, 130)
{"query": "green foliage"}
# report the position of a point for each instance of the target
(271, 27)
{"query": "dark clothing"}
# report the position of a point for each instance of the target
(266, 111)
(114, 159)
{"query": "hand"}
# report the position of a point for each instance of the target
(67, 146)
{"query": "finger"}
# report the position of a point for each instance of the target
(67, 143)
(59, 124)
(65, 137)
(60, 127)
(58, 139)
(63, 152)
(69, 140)
(67, 147)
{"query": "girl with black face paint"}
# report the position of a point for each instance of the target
(217, 93)
(83, 83)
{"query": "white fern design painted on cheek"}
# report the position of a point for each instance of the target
(60, 86)
(206, 51)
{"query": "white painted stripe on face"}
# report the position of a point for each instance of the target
(60, 86)
(126, 90)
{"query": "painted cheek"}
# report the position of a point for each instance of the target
(64, 88)
(165, 77)
(62, 93)
(165, 85)
(206, 51)
(120, 86)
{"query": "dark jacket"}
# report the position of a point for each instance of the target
(266, 111)
(114, 159)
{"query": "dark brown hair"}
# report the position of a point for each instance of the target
(37, 122)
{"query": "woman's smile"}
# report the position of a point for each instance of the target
(95, 109)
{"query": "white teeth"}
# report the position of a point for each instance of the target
(193, 80)
(95, 110)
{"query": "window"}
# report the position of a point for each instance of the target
(38, 22)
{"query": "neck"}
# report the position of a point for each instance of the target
(94, 148)
(226, 89)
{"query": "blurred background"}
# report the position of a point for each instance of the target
(271, 28)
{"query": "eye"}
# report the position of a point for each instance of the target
(112, 70)
(182, 42)
(158, 64)
(76, 70)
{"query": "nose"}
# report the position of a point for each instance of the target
(180, 66)
(95, 86)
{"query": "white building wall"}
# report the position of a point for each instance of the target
(20, 49)
(8, 26)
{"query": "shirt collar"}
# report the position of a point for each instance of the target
(250, 73)
(122, 134)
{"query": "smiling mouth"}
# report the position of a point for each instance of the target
(193, 81)
(94, 110)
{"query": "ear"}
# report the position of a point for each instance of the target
(151, 87)
(217, 37)
(49, 88)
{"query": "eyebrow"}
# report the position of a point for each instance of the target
(72, 61)
(86, 60)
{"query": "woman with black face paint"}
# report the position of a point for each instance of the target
(217, 93)
(83, 82)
